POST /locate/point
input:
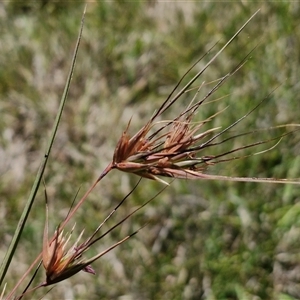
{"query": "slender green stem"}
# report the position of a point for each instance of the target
(15, 240)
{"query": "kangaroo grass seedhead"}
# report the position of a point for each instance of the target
(59, 261)
(62, 262)
(175, 148)
(171, 150)
(167, 152)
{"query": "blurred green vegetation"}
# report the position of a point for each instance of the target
(204, 240)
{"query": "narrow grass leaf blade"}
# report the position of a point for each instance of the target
(13, 245)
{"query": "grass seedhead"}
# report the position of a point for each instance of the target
(166, 153)
(59, 261)
(175, 149)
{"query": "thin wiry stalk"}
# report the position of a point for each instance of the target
(128, 216)
(31, 280)
(193, 108)
(112, 212)
(239, 120)
(166, 105)
(212, 158)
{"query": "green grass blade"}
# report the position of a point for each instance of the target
(15, 240)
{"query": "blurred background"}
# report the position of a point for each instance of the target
(203, 239)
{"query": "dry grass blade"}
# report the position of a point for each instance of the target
(3, 291)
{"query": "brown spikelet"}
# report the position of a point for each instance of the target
(166, 152)
(62, 261)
